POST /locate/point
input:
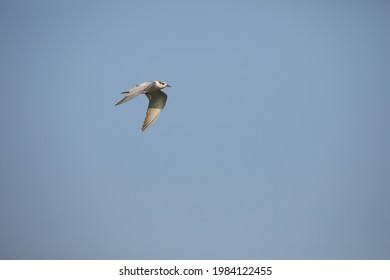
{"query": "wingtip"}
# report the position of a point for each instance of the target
(145, 127)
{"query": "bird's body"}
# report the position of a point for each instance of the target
(157, 99)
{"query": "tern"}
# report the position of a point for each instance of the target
(157, 99)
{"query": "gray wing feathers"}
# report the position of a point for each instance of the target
(157, 100)
(126, 98)
(134, 92)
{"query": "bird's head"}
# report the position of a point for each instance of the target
(162, 84)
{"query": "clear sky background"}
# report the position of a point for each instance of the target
(274, 143)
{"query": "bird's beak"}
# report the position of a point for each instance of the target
(168, 85)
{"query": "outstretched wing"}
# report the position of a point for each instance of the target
(134, 92)
(157, 100)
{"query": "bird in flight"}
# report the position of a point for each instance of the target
(157, 99)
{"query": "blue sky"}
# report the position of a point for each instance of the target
(274, 143)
